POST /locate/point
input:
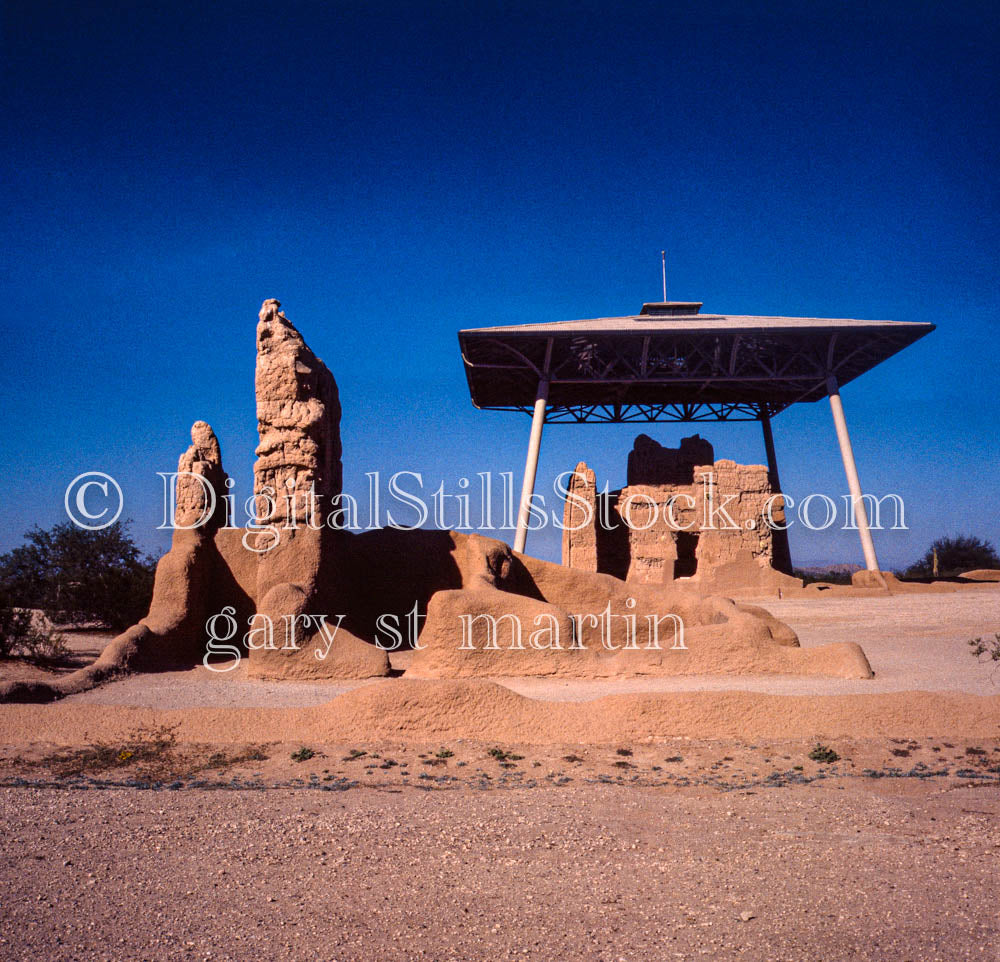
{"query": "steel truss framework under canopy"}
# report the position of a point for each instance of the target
(671, 367)
(672, 363)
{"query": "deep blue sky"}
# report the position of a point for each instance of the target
(394, 172)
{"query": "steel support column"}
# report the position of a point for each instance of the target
(531, 464)
(851, 470)
(781, 552)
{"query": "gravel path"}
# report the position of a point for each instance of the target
(842, 872)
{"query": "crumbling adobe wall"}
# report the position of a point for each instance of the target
(567, 608)
(667, 523)
(298, 416)
(579, 539)
(297, 479)
(651, 463)
(192, 581)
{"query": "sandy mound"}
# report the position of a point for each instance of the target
(981, 574)
(410, 711)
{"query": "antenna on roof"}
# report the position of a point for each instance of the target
(663, 259)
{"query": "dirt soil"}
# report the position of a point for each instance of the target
(586, 872)
(81, 649)
(190, 815)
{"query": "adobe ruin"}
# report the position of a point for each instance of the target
(442, 576)
(682, 517)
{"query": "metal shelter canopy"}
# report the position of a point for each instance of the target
(672, 363)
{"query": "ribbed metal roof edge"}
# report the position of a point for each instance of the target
(695, 322)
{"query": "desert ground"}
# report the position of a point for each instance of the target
(197, 815)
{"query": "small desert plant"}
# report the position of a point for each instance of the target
(444, 753)
(147, 753)
(254, 753)
(626, 752)
(152, 749)
(27, 633)
(303, 754)
(823, 754)
(501, 756)
(986, 646)
(45, 646)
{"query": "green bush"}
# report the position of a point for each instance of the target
(955, 555)
(823, 754)
(834, 576)
(76, 575)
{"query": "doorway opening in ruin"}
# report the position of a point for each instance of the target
(687, 558)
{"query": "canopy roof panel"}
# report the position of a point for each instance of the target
(662, 365)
